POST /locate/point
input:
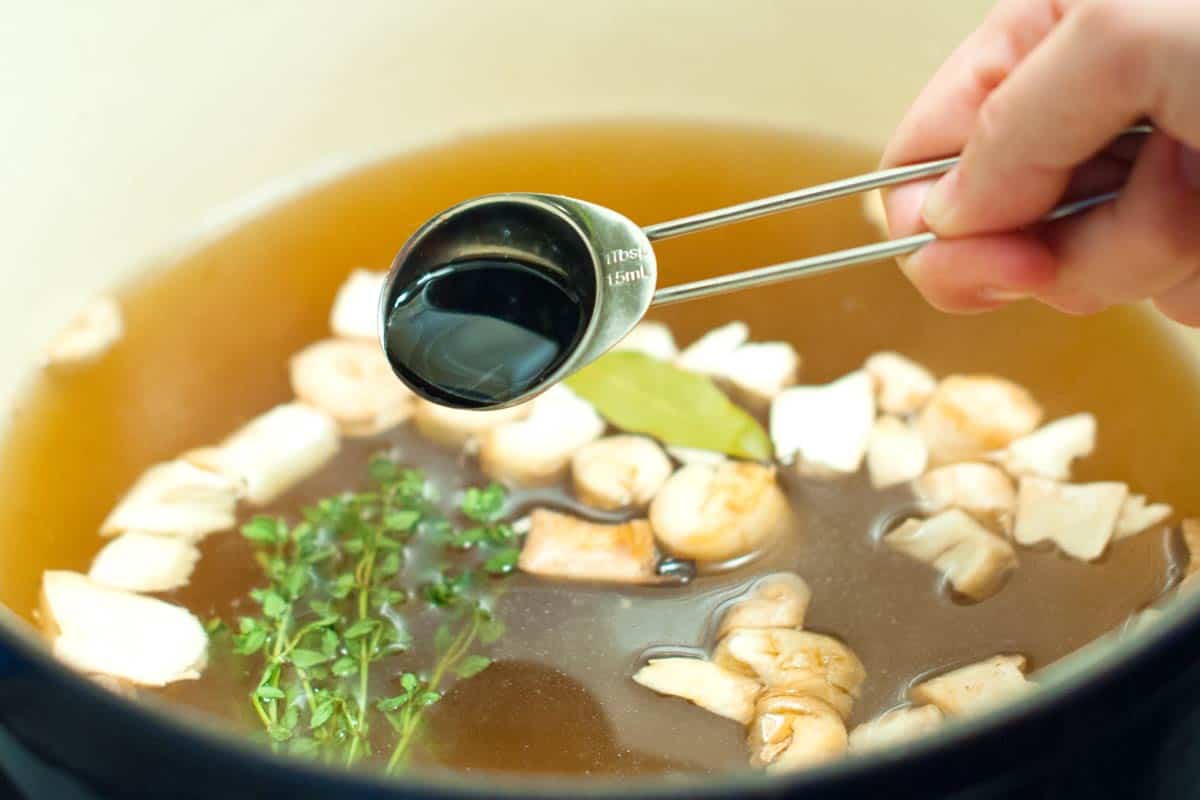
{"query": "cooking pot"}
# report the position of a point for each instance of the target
(132, 127)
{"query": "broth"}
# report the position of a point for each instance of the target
(206, 349)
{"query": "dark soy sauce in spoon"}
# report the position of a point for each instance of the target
(482, 331)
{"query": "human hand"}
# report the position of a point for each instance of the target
(1034, 99)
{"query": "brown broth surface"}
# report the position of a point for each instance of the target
(209, 335)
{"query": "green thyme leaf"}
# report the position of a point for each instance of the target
(472, 665)
(502, 562)
(304, 658)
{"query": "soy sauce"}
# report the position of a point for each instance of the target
(479, 332)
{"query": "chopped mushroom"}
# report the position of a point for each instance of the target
(825, 428)
(796, 662)
(351, 381)
(619, 472)
(456, 427)
(896, 453)
(176, 498)
(1049, 451)
(895, 727)
(694, 455)
(969, 416)
(759, 371)
(902, 385)
(792, 732)
(563, 546)
(710, 354)
(274, 451)
(976, 687)
(651, 338)
(1137, 515)
(775, 601)
(1080, 518)
(145, 562)
(874, 211)
(713, 688)
(715, 513)
(977, 488)
(90, 334)
(537, 450)
(355, 313)
(123, 635)
(974, 560)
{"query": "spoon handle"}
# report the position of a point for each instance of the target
(830, 261)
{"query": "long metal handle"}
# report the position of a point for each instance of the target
(829, 261)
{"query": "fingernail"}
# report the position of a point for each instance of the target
(937, 202)
(1001, 295)
(1189, 162)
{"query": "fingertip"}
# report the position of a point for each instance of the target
(903, 204)
(981, 273)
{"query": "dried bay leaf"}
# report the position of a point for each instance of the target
(641, 394)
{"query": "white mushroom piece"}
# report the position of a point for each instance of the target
(973, 560)
(969, 416)
(145, 562)
(792, 732)
(1078, 517)
(759, 371)
(727, 694)
(355, 313)
(458, 427)
(351, 381)
(976, 687)
(176, 498)
(619, 472)
(774, 601)
(902, 386)
(874, 212)
(562, 546)
(274, 451)
(537, 450)
(896, 453)
(795, 662)
(99, 630)
(695, 455)
(895, 727)
(825, 429)
(1049, 451)
(710, 354)
(978, 488)
(1190, 529)
(650, 338)
(1138, 515)
(89, 334)
(716, 513)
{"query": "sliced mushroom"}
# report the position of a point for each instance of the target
(714, 689)
(969, 416)
(825, 429)
(715, 513)
(1078, 517)
(792, 732)
(973, 559)
(274, 451)
(759, 371)
(351, 381)
(145, 562)
(355, 313)
(90, 334)
(123, 635)
(651, 338)
(456, 427)
(895, 727)
(1137, 515)
(977, 687)
(710, 354)
(694, 455)
(562, 546)
(774, 601)
(176, 498)
(796, 662)
(537, 450)
(896, 453)
(977, 488)
(1049, 451)
(874, 211)
(902, 385)
(619, 472)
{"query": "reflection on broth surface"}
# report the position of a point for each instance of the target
(207, 346)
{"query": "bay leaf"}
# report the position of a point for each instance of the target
(641, 394)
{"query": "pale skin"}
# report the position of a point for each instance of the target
(1034, 100)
